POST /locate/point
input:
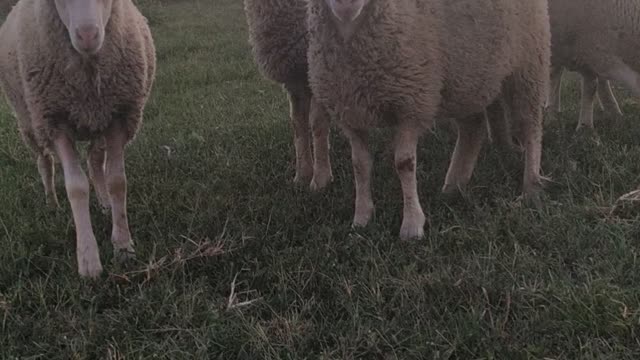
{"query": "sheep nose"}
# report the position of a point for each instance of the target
(87, 37)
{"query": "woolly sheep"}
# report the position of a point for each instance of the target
(598, 40)
(405, 62)
(80, 70)
(279, 38)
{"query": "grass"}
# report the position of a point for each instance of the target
(234, 262)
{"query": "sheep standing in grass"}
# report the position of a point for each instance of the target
(279, 37)
(598, 39)
(80, 70)
(405, 62)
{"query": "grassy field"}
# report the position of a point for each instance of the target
(234, 262)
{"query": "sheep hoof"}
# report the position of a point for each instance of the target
(320, 182)
(453, 191)
(301, 179)
(412, 227)
(90, 267)
(52, 201)
(533, 193)
(362, 216)
(586, 133)
(124, 254)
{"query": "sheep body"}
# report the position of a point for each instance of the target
(279, 39)
(60, 95)
(405, 62)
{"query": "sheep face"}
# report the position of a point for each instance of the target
(85, 21)
(346, 11)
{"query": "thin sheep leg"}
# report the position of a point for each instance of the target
(609, 101)
(362, 164)
(589, 91)
(299, 103)
(116, 180)
(554, 101)
(96, 165)
(320, 125)
(413, 218)
(471, 137)
(77, 186)
(526, 110)
(47, 170)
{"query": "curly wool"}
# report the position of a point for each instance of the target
(54, 89)
(411, 60)
(279, 39)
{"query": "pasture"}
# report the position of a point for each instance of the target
(235, 262)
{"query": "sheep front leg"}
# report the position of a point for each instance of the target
(320, 125)
(471, 136)
(589, 89)
(77, 186)
(47, 170)
(362, 164)
(299, 103)
(96, 164)
(116, 184)
(413, 218)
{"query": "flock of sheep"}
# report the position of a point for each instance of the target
(83, 70)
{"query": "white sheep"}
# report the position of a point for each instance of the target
(598, 39)
(279, 39)
(405, 62)
(80, 70)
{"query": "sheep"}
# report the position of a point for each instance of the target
(80, 71)
(597, 39)
(279, 39)
(402, 63)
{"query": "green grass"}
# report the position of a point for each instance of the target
(234, 262)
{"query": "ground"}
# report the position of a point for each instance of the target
(236, 262)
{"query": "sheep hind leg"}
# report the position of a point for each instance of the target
(526, 103)
(609, 101)
(471, 136)
(413, 218)
(589, 91)
(77, 187)
(96, 165)
(116, 185)
(554, 101)
(299, 103)
(362, 165)
(47, 170)
(320, 125)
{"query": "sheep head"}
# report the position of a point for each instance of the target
(85, 21)
(347, 11)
